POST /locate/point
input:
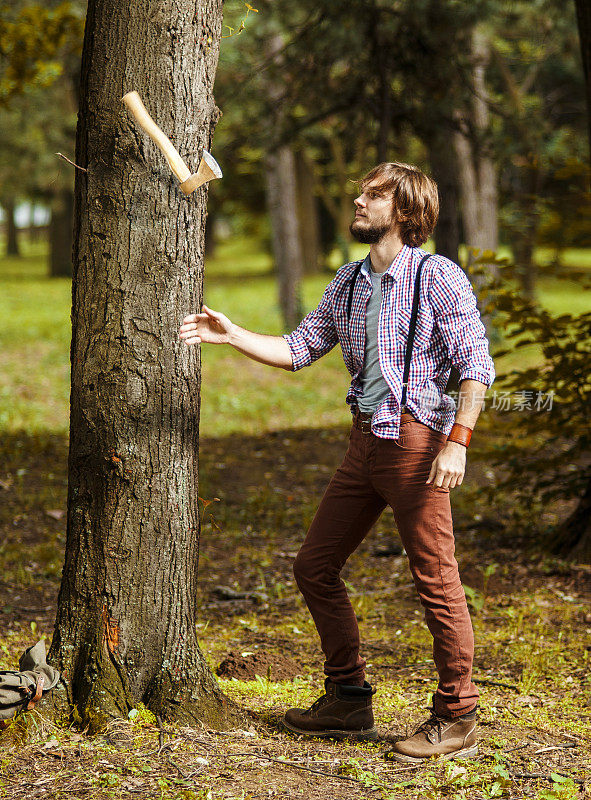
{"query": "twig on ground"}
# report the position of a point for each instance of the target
(160, 734)
(184, 775)
(544, 776)
(556, 747)
(510, 710)
(297, 766)
(490, 682)
(518, 747)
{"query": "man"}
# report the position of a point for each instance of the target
(406, 450)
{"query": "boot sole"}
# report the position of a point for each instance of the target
(467, 752)
(369, 735)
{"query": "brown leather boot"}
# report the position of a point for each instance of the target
(438, 736)
(343, 712)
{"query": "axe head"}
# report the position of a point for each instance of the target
(209, 170)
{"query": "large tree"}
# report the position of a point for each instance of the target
(125, 626)
(584, 23)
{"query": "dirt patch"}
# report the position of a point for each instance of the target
(246, 666)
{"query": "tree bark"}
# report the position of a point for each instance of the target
(12, 246)
(444, 172)
(283, 214)
(125, 626)
(308, 223)
(60, 234)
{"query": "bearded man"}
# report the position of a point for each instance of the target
(403, 318)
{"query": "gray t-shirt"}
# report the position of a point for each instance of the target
(374, 387)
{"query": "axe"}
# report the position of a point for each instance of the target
(208, 168)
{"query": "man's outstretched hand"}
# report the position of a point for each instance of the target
(215, 328)
(209, 326)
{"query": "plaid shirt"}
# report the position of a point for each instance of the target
(449, 332)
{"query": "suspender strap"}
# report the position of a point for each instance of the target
(351, 288)
(411, 330)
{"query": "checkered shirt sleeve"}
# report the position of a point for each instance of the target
(458, 319)
(316, 334)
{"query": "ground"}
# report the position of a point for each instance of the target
(270, 441)
(531, 616)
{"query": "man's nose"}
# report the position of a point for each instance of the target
(359, 202)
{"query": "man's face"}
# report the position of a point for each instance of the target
(374, 215)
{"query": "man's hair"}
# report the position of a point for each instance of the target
(414, 197)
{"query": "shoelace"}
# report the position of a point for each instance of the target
(429, 726)
(316, 704)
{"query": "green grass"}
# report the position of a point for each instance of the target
(237, 394)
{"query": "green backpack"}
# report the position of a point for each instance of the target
(22, 690)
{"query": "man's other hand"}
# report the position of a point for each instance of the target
(449, 466)
(209, 326)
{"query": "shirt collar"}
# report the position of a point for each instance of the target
(395, 267)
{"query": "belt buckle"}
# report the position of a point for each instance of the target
(365, 425)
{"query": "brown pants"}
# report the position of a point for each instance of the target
(378, 472)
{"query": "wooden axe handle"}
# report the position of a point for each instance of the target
(138, 110)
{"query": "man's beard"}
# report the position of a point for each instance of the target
(369, 235)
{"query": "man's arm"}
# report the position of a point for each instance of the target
(215, 328)
(458, 319)
(449, 466)
(315, 336)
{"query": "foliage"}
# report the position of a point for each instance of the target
(540, 131)
(365, 81)
(35, 42)
(36, 126)
(555, 395)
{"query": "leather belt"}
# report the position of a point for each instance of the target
(362, 421)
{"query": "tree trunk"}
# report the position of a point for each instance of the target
(283, 213)
(476, 169)
(573, 538)
(526, 235)
(444, 172)
(338, 205)
(307, 213)
(60, 234)
(384, 93)
(282, 202)
(584, 23)
(33, 232)
(125, 626)
(12, 248)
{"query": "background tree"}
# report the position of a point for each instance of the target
(125, 626)
(537, 72)
(282, 199)
(39, 70)
(583, 8)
